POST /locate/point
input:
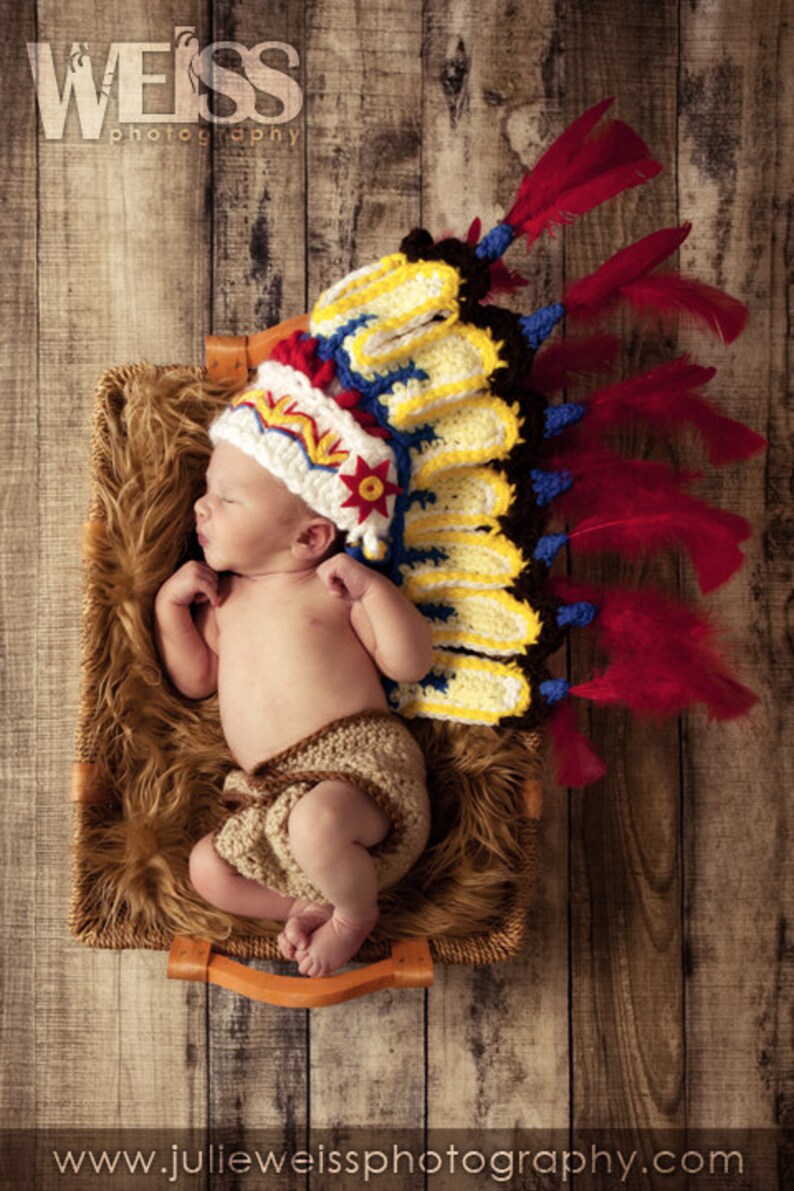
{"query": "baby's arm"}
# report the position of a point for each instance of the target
(391, 628)
(189, 662)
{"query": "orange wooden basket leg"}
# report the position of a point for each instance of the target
(408, 966)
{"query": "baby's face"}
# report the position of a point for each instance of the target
(247, 519)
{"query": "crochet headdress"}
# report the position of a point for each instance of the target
(419, 417)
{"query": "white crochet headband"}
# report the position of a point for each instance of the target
(303, 437)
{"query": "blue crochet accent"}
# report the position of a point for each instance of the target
(371, 393)
(538, 326)
(496, 242)
(399, 444)
(423, 497)
(381, 383)
(423, 434)
(328, 347)
(554, 690)
(559, 417)
(436, 611)
(357, 553)
(418, 554)
(549, 546)
(549, 484)
(577, 616)
(385, 383)
(435, 681)
(333, 348)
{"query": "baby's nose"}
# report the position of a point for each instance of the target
(200, 507)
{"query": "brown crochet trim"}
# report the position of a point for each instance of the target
(358, 717)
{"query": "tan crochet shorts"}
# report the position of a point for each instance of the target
(373, 751)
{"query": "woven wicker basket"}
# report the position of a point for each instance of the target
(148, 763)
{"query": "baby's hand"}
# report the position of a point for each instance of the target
(343, 576)
(193, 583)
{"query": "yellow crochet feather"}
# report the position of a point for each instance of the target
(399, 313)
(403, 302)
(474, 558)
(465, 498)
(454, 367)
(488, 622)
(476, 433)
(479, 690)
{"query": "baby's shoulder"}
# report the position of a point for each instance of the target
(320, 603)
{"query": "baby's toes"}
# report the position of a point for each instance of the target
(308, 965)
(285, 945)
(295, 935)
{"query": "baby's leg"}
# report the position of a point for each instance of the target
(222, 886)
(330, 830)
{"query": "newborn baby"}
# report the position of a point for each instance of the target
(329, 804)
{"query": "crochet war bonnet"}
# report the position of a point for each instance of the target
(421, 419)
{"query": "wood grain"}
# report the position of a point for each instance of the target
(122, 267)
(736, 181)
(19, 577)
(259, 186)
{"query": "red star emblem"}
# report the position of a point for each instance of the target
(369, 489)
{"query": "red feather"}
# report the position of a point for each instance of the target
(625, 276)
(604, 480)
(576, 761)
(596, 291)
(504, 280)
(664, 398)
(556, 365)
(710, 536)
(665, 693)
(637, 507)
(578, 172)
(669, 294)
(662, 655)
(543, 181)
(473, 234)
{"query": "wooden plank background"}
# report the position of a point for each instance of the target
(654, 995)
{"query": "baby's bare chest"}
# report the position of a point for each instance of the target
(253, 628)
(286, 668)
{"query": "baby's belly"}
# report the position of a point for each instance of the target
(270, 703)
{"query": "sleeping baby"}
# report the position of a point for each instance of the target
(329, 804)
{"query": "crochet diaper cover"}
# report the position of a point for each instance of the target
(373, 751)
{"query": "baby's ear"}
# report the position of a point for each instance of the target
(314, 539)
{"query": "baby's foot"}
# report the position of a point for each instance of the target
(304, 918)
(333, 944)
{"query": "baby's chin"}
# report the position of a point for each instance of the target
(214, 560)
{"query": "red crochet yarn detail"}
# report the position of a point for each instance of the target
(299, 351)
